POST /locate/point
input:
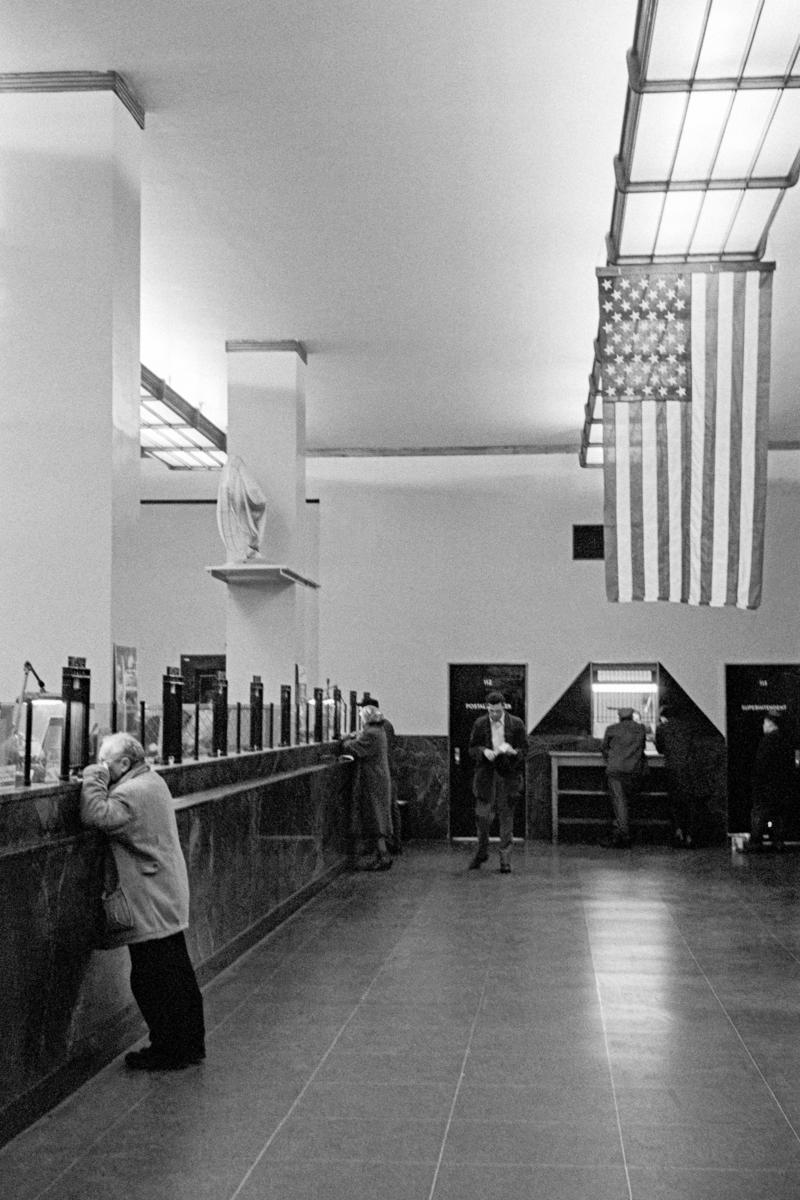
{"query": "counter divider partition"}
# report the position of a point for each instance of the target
(579, 800)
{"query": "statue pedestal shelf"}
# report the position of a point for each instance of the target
(260, 573)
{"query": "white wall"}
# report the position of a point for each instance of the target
(176, 606)
(430, 561)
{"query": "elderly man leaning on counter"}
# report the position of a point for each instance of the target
(146, 899)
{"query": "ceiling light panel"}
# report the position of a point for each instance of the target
(752, 220)
(723, 54)
(658, 130)
(741, 38)
(772, 52)
(706, 117)
(641, 216)
(162, 437)
(751, 113)
(160, 413)
(677, 31)
(715, 221)
(779, 152)
(678, 219)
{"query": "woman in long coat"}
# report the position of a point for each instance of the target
(372, 788)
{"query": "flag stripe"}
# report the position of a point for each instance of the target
(674, 475)
(650, 529)
(686, 496)
(664, 503)
(709, 439)
(761, 441)
(698, 434)
(722, 441)
(610, 540)
(738, 400)
(635, 507)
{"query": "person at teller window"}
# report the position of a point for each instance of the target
(129, 802)
(623, 750)
(498, 744)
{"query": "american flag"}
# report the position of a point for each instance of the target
(684, 357)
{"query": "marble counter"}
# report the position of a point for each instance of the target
(261, 833)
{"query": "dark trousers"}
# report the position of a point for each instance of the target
(622, 789)
(502, 803)
(165, 988)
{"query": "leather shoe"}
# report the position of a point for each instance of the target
(149, 1059)
(505, 868)
(477, 861)
(381, 863)
(616, 843)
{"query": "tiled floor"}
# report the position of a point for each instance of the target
(599, 1025)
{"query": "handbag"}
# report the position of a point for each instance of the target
(116, 909)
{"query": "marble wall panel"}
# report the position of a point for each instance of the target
(423, 786)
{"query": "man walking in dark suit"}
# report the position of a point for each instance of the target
(497, 745)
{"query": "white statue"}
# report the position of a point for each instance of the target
(241, 512)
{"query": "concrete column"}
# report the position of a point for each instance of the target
(69, 345)
(267, 611)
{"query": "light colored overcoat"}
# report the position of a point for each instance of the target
(137, 814)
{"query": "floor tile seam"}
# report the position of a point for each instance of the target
(753, 912)
(87, 1150)
(741, 1040)
(357, 1160)
(299, 1097)
(342, 902)
(609, 1063)
(460, 1081)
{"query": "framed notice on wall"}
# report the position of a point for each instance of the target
(301, 704)
(126, 689)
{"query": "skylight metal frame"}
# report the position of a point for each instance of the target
(175, 432)
(691, 49)
(651, 21)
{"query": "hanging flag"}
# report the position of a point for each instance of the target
(684, 356)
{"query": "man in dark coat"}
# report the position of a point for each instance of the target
(623, 751)
(372, 787)
(396, 839)
(674, 739)
(498, 745)
(772, 783)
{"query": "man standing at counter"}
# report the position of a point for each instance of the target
(623, 751)
(147, 878)
(497, 745)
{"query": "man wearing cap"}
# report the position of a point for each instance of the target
(498, 744)
(396, 840)
(623, 751)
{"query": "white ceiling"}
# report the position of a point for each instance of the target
(419, 192)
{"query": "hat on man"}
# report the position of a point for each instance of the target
(624, 714)
(367, 699)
